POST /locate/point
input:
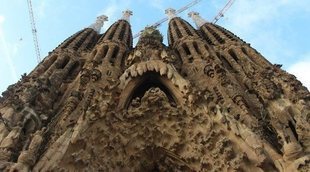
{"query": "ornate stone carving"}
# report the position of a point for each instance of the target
(207, 101)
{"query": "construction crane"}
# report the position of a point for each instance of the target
(158, 23)
(223, 11)
(34, 31)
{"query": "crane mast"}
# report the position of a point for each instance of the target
(34, 31)
(223, 11)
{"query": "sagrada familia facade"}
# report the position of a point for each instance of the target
(207, 101)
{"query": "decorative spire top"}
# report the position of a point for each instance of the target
(171, 13)
(199, 21)
(126, 15)
(153, 33)
(99, 23)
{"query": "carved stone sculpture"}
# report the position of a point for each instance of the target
(206, 101)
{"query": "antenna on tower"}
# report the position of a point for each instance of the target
(158, 23)
(223, 11)
(34, 31)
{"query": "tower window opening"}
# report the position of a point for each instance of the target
(207, 36)
(112, 31)
(196, 48)
(233, 55)
(48, 63)
(225, 32)
(225, 62)
(129, 37)
(244, 51)
(170, 40)
(179, 34)
(217, 37)
(62, 62)
(207, 47)
(178, 56)
(73, 72)
(94, 53)
(92, 41)
(292, 127)
(186, 49)
(105, 50)
(114, 55)
(122, 34)
(187, 28)
(81, 40)
(71, 39)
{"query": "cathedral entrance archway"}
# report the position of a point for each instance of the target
(139, 85)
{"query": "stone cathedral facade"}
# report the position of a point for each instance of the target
(207, 101)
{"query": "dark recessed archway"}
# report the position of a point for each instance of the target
(139, 85)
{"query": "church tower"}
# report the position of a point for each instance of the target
(207, 101)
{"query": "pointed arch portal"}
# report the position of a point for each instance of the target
(139, 85)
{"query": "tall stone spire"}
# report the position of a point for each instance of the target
(126, 15)
(99, 23)
(171, 13)
(199, 21)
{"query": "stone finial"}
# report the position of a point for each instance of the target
(171, 13)
(126, 15)
(99, 23)
(199, 21)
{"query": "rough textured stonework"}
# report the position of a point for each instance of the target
(205, 102)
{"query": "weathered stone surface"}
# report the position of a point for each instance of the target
(206, 102)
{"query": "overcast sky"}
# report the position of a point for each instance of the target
(278, 29)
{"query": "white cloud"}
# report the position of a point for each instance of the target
(301, 70)
(2, 18)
